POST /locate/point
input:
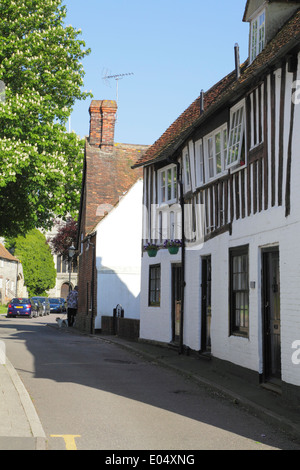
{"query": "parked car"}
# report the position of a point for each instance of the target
(46, 304)
(56, 305)
(38, 306)
(22, 307)
(63, 304)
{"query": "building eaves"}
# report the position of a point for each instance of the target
(5, 254)
(267, 1)
(226, 90)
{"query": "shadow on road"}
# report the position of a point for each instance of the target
(70, 357)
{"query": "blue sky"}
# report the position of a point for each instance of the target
(173, 48)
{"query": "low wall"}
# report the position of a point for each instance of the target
(123, 327)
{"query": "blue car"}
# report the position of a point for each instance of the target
(22, 307)
(45, 303)
(55, 305)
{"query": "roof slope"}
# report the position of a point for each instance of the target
(106, 177)
(5, 254)
(287, 38)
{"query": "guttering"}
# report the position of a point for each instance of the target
(238, 89)
(183, 248)
(234, 92)
(89, 243)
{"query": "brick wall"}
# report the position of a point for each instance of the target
(128, 328)
(102, 124)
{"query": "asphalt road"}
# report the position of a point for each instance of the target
(92, 395)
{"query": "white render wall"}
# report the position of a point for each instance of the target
(118, 257)
(246, 352)
(267, 228)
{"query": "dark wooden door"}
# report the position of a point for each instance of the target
(271, 312)
(176, 301)
(206, 305)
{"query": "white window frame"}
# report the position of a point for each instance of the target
(168, 223)
(199, 163)
(259, 117)
(237, 132)
(186, 169)
(164, 189)
(258, 35)
(210, 153)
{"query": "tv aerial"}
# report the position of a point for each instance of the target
(118, 77)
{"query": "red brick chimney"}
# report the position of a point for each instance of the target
(102, 124)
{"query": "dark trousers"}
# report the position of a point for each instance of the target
(71, 316)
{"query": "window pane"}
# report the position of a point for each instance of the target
(261, 36)
(187, 170)
(175, 182)
(218, 149)
(167, 182)
(225, 141)
(239, 295)
(254, 40)
(170, 184)
(199, 164)
(236, 136)
(163, 187)
(210, 158)
(154, 285)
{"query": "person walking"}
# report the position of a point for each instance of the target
(72, 304)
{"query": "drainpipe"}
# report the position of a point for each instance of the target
(179, 180)
(89, 243)
(17, 279)
(237, 61)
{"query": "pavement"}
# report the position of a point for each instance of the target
(20, 426)
(21, 429)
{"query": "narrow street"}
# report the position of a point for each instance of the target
(93, 395)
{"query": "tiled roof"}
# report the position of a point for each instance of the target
(184, 121)
(287, 38)
(106, 177)
(5, 254)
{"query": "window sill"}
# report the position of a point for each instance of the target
(239, 334)
(166, 204)
(238, 167)
(256, 152)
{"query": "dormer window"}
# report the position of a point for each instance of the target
(257, 35)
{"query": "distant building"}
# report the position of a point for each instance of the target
(11, 277)
(64, 282)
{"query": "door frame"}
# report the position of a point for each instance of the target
(204, 347)
(267, 352)
(174, 280)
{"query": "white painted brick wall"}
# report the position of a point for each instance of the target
(259, 231)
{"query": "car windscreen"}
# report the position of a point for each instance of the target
(20, 301)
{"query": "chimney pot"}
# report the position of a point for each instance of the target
(237, 60)
(102, 124)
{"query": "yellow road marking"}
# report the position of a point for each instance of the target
(69, 440)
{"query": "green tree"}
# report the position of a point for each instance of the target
(37, 261)
(40, 162)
